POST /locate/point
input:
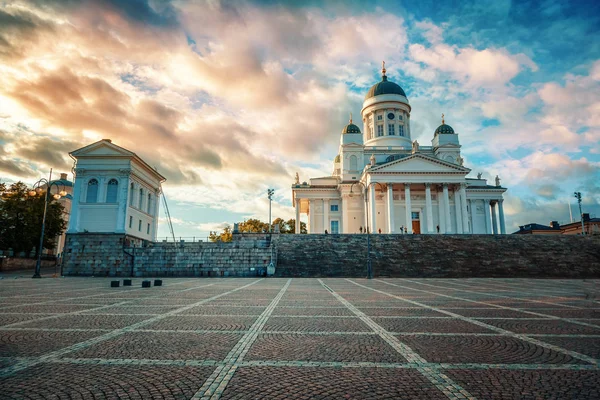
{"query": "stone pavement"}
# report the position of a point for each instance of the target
(273, 338)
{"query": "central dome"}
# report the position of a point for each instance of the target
(384, 87)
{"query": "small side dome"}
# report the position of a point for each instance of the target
(443, 128)
(351, 128)
(337, 159)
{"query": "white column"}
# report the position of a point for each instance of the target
(408, 208)
(311, 216)
(297, 227)
(488, 218)
(74, 217)
(344, 219)
(501, 215)
(457, 211)
(373, 210)
(441, 219)
(155, 211)
(326, 215)
(473, 207)
(494, 221)
(428, 210)
(122, 201)
(463, 204)
(390, 200)
(448, 227)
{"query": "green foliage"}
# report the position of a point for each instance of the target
(21, 219)
(257, 226)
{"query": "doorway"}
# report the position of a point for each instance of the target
(416, 222)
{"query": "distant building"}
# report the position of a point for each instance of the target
(115, 191)
(385, 181)
(591, 226)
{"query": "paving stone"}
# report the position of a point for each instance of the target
(329, 383)
(544, 326)
(544, 384)
(585, 345)
(18, 343)
(79, 321)
(482, 349)
(303, 347)
(191, 323)
(445, 325)
(350, 324)
(59, 381)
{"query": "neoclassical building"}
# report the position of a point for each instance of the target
(384, 181)
(115, 191)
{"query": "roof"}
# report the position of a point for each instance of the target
(63, 182)
(351, 128)
(444, 129)
(384, 87)
(537, 227)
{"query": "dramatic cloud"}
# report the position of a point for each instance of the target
(228, 99)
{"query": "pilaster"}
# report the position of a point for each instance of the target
(428, 208)
(408, 207)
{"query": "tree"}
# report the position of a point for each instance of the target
(224, 236)
(253, 226)
(291, 224)
(21, 219)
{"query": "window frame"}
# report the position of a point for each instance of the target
(87, 191)
(116, 193)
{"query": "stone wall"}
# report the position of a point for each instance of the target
(113, 255)
(438, 256)
(448, 256)
(18, 263)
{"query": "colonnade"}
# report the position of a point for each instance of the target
(461, 223)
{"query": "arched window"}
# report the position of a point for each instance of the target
(131, 195)
(353, 163)
(112, 190)
(92, 191)
(141, 199)
(149, 205)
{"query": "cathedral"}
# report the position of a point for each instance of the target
(384, 182)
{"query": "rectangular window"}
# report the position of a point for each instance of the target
(391, 129)
(334, 207)
(400, 117)
(335, 226)
(415, 215)
(148, 229)
(130, 221)
(379, 117)
(401, 130)
(379, 130)
(141, 199)
(140, 226)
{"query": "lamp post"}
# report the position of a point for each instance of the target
(37, 189)
(366, 189)
(577, 195)
(270, 195)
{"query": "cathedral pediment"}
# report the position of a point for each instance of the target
(419, 163)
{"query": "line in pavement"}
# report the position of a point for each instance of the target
(451, 389)
(216, 384)
(574, 321)
(19, 366)
(505, 332)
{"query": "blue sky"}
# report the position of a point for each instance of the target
(230, 98)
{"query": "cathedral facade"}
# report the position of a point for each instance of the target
(384, 182)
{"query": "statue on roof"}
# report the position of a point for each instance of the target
(497, 181)
(415, 147)
(479, 175)
(372, 159)
(460, 160)
(297, 182)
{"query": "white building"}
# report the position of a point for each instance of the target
(384, 181)
(115, 191)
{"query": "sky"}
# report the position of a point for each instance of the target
(227, 99)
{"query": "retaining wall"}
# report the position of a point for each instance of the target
(437, 256)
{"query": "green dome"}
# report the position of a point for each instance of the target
(337, 158)
(351, 128)
(444, 129)
(384, 87)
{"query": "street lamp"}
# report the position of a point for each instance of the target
(366, 189)
(37, 189)
(270, 195)
(577, 195)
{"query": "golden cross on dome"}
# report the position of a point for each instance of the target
(383, 68)
(443, 119)
(350, 117)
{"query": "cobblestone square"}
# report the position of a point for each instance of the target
(235, 338)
